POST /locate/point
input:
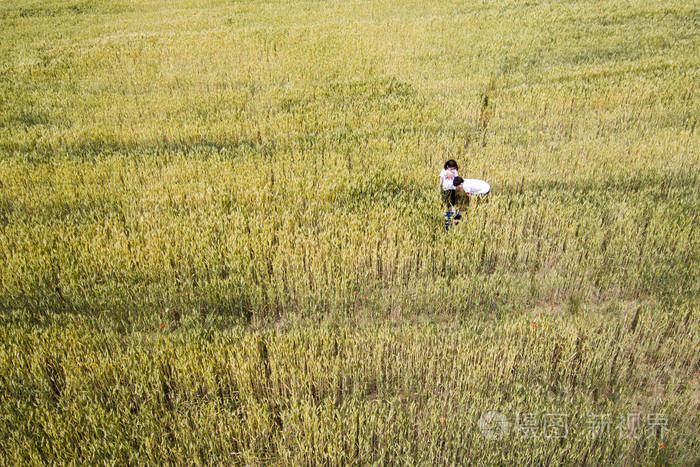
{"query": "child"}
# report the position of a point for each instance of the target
(452, 217)
(447, 176)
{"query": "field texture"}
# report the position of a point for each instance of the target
(221, 237)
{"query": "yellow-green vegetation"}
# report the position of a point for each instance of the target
(221, 234)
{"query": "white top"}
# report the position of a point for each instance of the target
(474, 186)
(447, 175)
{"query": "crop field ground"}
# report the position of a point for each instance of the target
(221, 235)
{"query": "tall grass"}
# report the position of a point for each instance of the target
(260, 178)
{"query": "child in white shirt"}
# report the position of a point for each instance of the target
(447, 175)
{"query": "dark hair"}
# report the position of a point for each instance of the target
(457, 181)
(451, 163)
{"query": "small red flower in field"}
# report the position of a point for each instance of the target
(442, 419)
(162, 326)
(663, 446)
(188, 294)
(579, 312)
(551, 309)
(540, 315)
(534, 324)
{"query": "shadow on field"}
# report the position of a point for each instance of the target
(375, 191)
(51, 11)
(85, 150)
(661, 183)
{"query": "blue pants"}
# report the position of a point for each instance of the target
(450, 217)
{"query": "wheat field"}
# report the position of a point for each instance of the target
(221, 235)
